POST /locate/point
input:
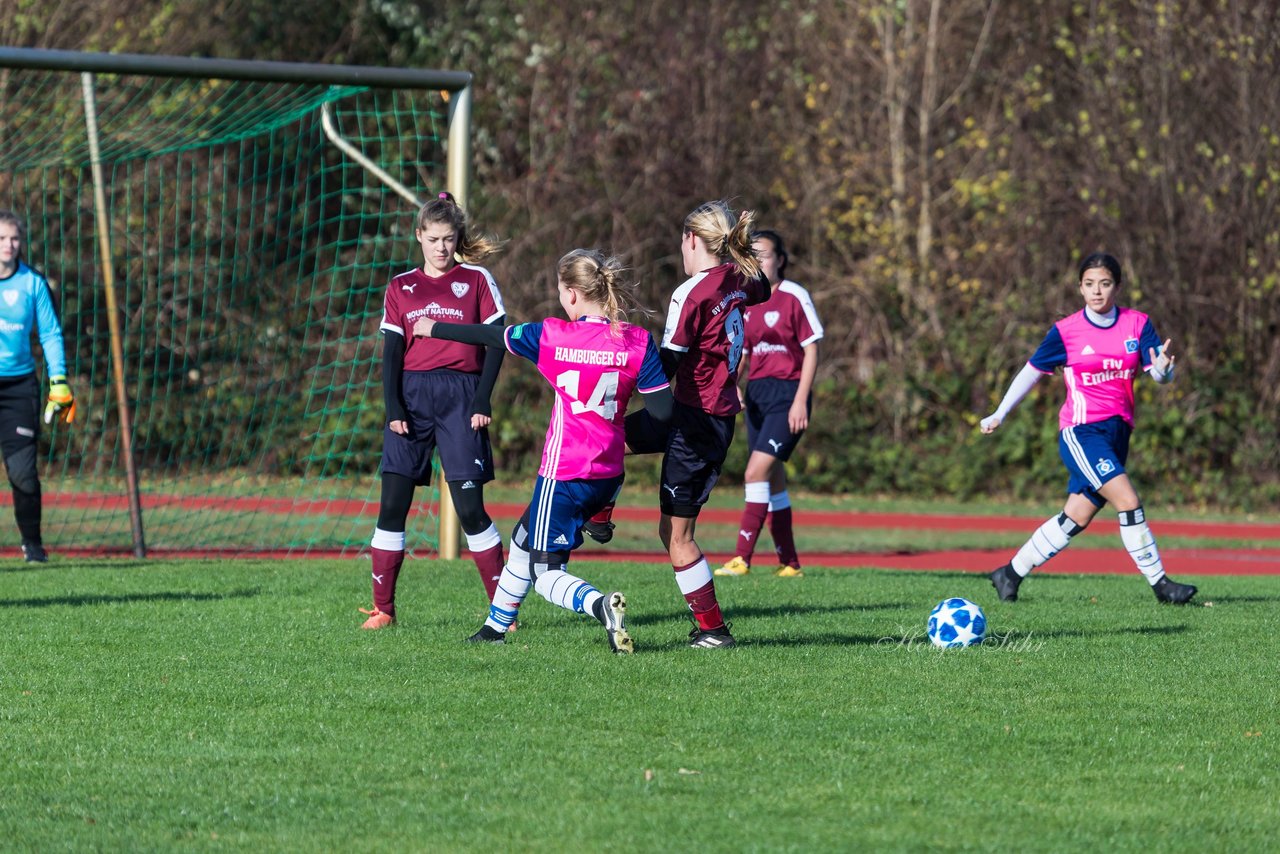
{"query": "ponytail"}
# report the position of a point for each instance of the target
(601, 279)
(725, 235)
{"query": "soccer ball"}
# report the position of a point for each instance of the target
(956, 622)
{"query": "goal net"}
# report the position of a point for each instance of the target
(255, 212)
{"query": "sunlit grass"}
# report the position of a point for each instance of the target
(153, 705)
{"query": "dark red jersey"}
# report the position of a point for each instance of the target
(466, 294)
(705, 323)
(778, 330)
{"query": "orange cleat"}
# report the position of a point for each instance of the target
(377, 619)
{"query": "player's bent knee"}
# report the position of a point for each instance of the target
(21, 467)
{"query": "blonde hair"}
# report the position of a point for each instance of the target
(724, 234)
(443, 209)
(600, 279)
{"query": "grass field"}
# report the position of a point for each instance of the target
(200, 705)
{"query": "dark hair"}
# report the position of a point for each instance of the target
(1101, 259)
(444, 210)
(779, 248)
(14, 220)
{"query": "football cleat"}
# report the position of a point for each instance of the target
(615, 612)
(737, 566)
(788, 571)
(377, 619)
(34, 553)
(601, 532)
(1006, 582)
(711, 638)
(487, 634)
(1171, 592)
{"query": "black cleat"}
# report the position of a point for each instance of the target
(487, 634)
(34, 553)
(1172, 593)
(601, 532)
(711, 638)
(1006, 582)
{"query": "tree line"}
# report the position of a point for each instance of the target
(938, 169)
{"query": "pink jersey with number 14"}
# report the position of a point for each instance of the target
(594, 368)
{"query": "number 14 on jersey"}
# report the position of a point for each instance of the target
(603, 399)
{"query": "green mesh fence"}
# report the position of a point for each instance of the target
(250, 256)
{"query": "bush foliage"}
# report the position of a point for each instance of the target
(939, 169)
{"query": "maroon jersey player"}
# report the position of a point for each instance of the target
(701, 348)
(437, 398)
(781, 358)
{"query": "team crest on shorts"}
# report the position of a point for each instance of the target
(460, 290)
(1130, 344)
(771, 318)
(1105, 466)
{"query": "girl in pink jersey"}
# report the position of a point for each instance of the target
(782, 351)
(1101, 348)
(437, 398)
(595, 361)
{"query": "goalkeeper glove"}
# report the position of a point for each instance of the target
(60, 400)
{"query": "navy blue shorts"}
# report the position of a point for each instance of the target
(438, 404)
(694, 445)
(768, 405)
(1093, 455)
(553, 520)
(697, 444)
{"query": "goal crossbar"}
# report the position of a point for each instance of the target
(234, 69)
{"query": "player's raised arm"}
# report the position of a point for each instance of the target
(484, 334)
(1018, 389)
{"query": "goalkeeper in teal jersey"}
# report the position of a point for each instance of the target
(26, 305)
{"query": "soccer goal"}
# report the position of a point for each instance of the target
(218, 235)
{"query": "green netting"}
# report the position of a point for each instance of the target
(250, 256)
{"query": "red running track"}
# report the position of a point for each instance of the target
(803, 519)
(1178, 561)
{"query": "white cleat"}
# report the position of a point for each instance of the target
(615, 613)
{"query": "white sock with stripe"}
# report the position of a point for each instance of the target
(1141, 544)
(513, 586)
(568, 591)
(1049, 539)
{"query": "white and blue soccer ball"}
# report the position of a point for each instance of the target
(956, 623)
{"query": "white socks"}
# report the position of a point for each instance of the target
(1141, 544)
(1049, 539)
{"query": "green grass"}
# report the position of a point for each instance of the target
(186, 704)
